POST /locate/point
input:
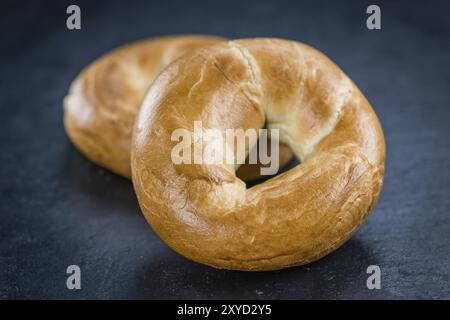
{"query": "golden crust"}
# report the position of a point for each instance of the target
(105, 98)
(103, 101)
(205, 212)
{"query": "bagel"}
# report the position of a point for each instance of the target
(207, 214)
(104, 99)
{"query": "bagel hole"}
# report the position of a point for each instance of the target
(251, 173)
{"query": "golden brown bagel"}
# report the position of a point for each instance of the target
(103, 101)
(205, 212)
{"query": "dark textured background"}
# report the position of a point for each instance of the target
(59, 209)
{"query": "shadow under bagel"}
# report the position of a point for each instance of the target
(167, 271)
(97, 183)
(86, 177)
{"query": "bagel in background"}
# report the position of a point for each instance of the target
(205, 212)
(103, 101)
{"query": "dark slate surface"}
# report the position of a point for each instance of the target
(58, 209)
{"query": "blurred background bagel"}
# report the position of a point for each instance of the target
(103, 101)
